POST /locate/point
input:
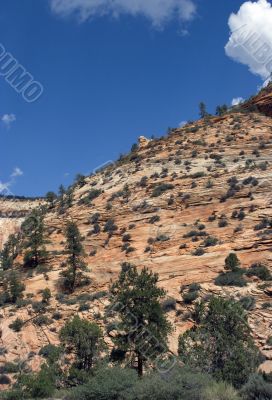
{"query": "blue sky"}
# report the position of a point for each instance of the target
(107, 80)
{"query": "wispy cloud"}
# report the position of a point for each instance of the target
(16, 172)
(5, 186)
(237, 100)
(8, 119)
(250, 41)
(159, 12)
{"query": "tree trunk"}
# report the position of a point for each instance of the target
(140, 366)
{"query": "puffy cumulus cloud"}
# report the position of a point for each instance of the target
(250, 42)
(157, 11)
(237, 100)
(7, 119)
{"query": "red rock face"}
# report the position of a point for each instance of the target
(206, 180)
(262, 102)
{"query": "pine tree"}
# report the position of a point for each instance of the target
(143, 327)
(33, 230)
(85, 339)
(9, 252)
(221, 343)
(203, 110)
(75, 266)
(50, 198)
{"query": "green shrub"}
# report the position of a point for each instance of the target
(248, 302)
(220, 391)
(169, 304)
(232, 262)
(257, 389)
(160, 189)
(189, 297)
(17, 325)
(231, 279)
(260, 271)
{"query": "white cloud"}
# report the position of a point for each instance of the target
(7, 119)
(16, 172)
(237, 100)
(250, 42)
(157, 11)
(182, 123)
(5, 186)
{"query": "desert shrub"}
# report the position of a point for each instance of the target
(84, 307)
(17, 325)
(153, 219)
(162, 238)
(210, 241)
(94, 218)
(222, 223)
(50, 352)
(259, 270)
(248, 302)
(46, 295)
(199, 252)
(231, 279)
(257, 389)
(126, 238)
(107, 384)
(4, 380)
(57, 315)
(220, 391)
(169, 304)
(42, 320)
(190, 297)
(269, 341)
(9, 368)
(160, 189)
(110, 226)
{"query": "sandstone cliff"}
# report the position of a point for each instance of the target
(209, 179)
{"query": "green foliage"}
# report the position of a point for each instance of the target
(46, 295)
(232, 262)
(86, 340)
(203, 110)
(259, 270)
(34, 244)
(75, 266)
(51, 353)
(12, 288)
(122, 384)
(107, 384)
(50, 197)
(221, 110)
(36, 386)
(160, 189)
(143, 325)
(220, 391)
(17, 325)
(248, 302)
(231, 279)
(221, 343)
(257, 389)
(9, 252)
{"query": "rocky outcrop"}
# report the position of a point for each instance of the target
(179, 205)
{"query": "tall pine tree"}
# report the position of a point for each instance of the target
(143, 328)
(75, 265)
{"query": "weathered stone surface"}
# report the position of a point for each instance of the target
(215, 172)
